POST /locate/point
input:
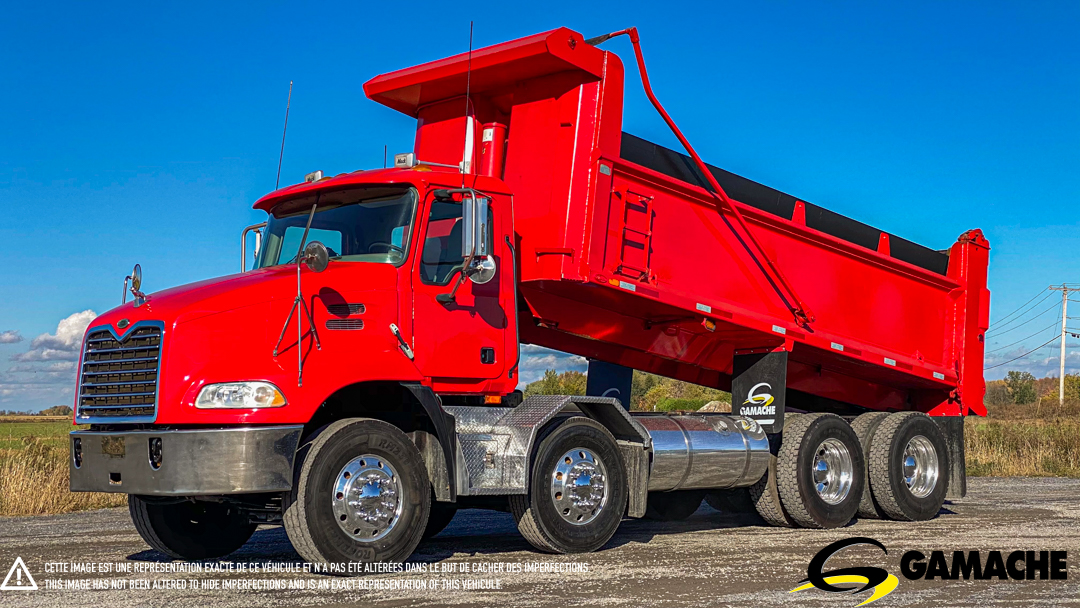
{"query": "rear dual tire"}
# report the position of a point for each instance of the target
(908, 466)
(817, 477)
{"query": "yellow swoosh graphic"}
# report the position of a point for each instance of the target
(880, 591)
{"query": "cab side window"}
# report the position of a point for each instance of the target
(442, 257)
(442, 247)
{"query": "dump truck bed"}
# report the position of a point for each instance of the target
(626, 256)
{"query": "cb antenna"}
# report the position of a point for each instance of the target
(466, 159)
(281, 154)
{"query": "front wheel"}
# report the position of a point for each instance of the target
(360, 494)
(441, 515)
(577, 491)
(191, 529)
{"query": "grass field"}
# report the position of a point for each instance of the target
(1012, 441)
(34, 469)
(52, 432)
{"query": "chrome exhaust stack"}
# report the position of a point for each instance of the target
(704, 451)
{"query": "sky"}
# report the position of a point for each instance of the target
(144, 132)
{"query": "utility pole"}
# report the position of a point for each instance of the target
(1064, 289)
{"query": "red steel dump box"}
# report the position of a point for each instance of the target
(625, 255)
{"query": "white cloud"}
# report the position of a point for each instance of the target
(1043, 363)
(10, 336)
(535, 360)
(45, 373)
(64, 344)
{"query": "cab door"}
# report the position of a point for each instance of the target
(463, 341)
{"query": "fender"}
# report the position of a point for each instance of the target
(445, 430)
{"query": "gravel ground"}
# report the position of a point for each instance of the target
(711, 559)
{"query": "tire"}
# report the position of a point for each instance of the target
(864, 426)
(763, 493)
(573, 526)
(889, 448)
(820, 498)
(441, 515)
(673, 506)
(736, 501)
(766, 497)
(329, 465)
(190, 530)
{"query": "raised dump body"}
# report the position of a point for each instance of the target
(627, 257)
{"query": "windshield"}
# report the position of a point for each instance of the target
(357, 225)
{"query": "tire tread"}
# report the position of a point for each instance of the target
(865, 426)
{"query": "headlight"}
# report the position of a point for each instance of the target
(240, 395)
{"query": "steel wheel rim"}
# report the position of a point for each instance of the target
(579, 488)
(920, 464)
(833, 471)
(367, 498)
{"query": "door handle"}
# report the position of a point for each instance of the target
(402, 344)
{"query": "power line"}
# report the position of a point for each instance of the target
(1052, 325)
(1002, 320)
(1023, 355)
(1000, 333)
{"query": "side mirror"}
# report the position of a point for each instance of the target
(474, 215)
(133, 282)
(475, 248)
(136, 278)
(316, 257)
(481, 270)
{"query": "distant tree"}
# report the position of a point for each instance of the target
(554, 383)
(651, 392)
(1072, 388)
(1021, 387)
(997, 394)
(647, 390)
(57, 410)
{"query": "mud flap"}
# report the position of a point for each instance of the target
(758, 388)
(609, 380)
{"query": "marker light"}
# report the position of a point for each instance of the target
(240, 395)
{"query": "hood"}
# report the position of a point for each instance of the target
(195, 300)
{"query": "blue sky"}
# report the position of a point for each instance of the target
(143, 133)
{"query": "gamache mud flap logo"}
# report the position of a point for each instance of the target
(878, 579)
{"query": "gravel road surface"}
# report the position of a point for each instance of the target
(711, 559)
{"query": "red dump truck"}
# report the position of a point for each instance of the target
(360, 383)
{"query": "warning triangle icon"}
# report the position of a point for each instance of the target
(18, 578)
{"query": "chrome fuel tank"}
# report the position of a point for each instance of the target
(705, 451)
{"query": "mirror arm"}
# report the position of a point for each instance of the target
(256, 228)
(299, 307)
(449, 298)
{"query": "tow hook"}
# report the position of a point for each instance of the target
(402, 344)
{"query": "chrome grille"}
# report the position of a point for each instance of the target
(119, 378)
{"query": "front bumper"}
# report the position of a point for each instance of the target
(194, 462)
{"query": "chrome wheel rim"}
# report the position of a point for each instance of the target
(367, 498)
(921, 468)
(833, 471)
(579, 487)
